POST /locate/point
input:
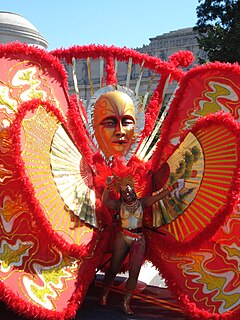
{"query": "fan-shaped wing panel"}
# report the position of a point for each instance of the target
(73, 177)
(206, 168)
(44, 167)
(186, 172)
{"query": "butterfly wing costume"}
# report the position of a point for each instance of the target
(55, 229)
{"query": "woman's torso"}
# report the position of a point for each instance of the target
(131, 215)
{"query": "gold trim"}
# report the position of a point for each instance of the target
(191, 212)
(210, 197)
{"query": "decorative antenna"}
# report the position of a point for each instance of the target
(116, 67)
(148, 90)
(90, 76)
(129, 71)
(92, 146)
(139, 78)
(101, 66)
(144, 152)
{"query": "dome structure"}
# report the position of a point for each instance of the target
(14, 27)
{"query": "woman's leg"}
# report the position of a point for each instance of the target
(119, 253)
(136, 259)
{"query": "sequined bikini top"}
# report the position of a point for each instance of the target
(131, 215)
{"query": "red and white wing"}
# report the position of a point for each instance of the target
(45, 248)
(201, 91)
(199, 254)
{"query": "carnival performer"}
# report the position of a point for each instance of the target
(130, 239)
(57, 151)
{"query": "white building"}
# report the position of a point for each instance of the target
(14, 27)
(164, 45)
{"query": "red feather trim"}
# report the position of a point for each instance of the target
(78, 130)
(15, 49)
(175, 111)
(173, 246)
(123, 54)
(136, 169)
(182, 58)
(73, 249)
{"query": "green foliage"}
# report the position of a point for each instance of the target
(218, 26)
(184, 169)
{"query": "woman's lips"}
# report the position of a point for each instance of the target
(120, 142)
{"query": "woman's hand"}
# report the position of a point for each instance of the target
(110, 203)
(109, 180)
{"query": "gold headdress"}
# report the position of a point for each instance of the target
(121, 182)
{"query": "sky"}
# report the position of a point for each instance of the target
(123, 23)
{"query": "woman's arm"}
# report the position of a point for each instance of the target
(110, 203)
(149, 201)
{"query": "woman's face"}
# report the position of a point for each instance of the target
(114, 122)
(128, 194)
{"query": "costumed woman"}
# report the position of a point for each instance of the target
(57, 152)
(130, 238)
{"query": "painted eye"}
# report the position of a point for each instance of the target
(128, 122)
(108, 123)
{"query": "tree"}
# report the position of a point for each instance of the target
(218, 25)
